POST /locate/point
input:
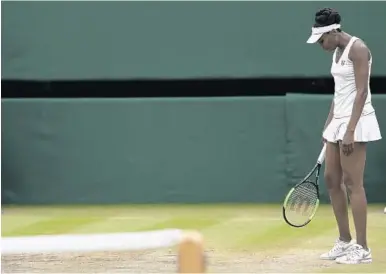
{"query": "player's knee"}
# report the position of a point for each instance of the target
(332, 180)
(352, 184)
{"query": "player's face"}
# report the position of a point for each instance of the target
(328, 41)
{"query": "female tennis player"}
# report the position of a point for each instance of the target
(350, 125)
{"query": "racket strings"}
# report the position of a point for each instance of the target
(301, 203)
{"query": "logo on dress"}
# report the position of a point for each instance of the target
(342, 62)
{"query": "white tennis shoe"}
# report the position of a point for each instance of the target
(356, 255)
(338, 250)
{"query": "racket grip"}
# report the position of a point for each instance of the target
(322, 155)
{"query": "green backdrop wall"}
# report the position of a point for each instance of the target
(167, 150)
(127, 39)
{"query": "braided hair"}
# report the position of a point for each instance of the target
(327, 16)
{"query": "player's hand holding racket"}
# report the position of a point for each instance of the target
(302, 200)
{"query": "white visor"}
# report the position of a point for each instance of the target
(318, 32)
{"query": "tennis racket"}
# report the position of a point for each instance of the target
(302, 200)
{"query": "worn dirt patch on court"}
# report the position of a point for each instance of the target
(163, 261)
(294, 261)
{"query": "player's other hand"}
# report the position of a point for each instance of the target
(348, 143)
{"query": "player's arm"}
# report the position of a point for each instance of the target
(359, 54)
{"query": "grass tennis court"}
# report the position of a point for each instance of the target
(238, 238)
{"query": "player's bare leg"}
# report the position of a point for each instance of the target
(353, 167)
(338, 196)
(337, 190)
(353, 171)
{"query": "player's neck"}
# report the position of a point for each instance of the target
(344, 39)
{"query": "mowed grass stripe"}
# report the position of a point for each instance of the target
(10, 223)
(113, 224)
(128, 209)
(59, 225)
(377, 233)
(185, 222)
(227, 234)
(281, 235)
(220, 210)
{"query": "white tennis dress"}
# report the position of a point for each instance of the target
(367, 128)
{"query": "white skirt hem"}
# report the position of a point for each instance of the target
(367, 129)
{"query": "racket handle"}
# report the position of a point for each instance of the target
(322, 155)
